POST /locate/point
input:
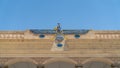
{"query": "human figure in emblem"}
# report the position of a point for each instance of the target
(58, 28)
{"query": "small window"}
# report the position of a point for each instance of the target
(42, 36)
(77, 36)
(59, 45)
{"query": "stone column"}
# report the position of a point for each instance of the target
(79, 66)
(40, 66)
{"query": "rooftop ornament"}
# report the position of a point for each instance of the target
(58, 30)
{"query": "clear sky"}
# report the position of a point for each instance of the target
(72, 14)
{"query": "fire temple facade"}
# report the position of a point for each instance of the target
(59, 49)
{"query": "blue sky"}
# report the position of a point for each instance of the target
(72, 14)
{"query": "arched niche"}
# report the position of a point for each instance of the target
(104, 60)
(52, 60)
(97, 63)
(17, 60)
(23, 65)
(60, 63)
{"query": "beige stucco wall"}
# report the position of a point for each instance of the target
(91, 44)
